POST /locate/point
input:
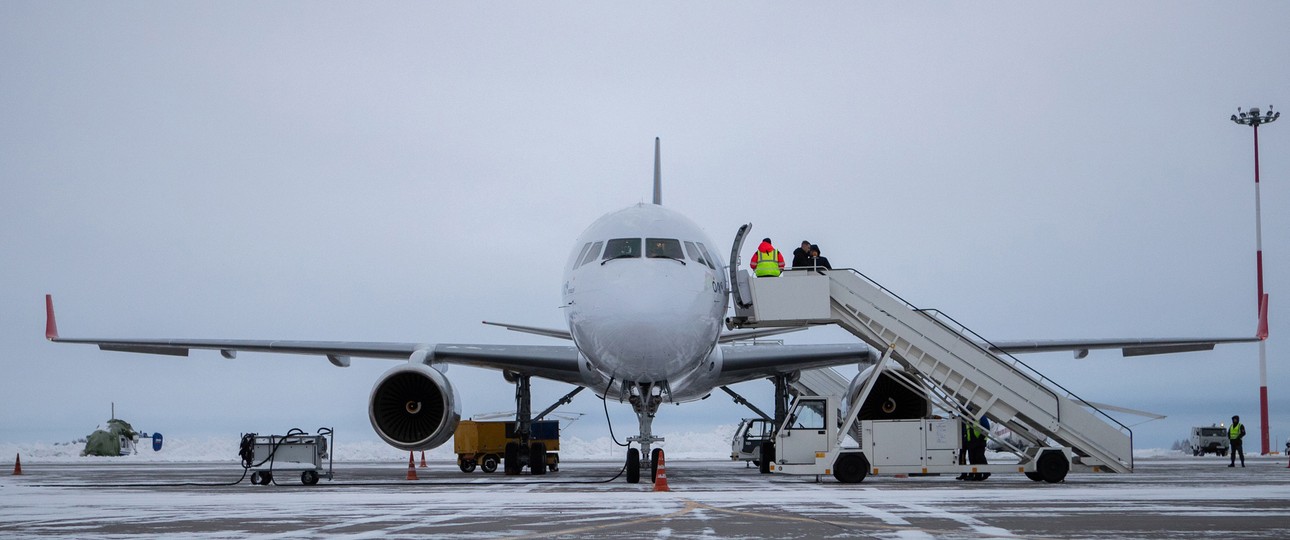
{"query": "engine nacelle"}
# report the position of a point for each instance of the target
(889, 400)
(413, 407)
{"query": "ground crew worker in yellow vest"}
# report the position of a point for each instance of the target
(767, 262)
(1234, 436)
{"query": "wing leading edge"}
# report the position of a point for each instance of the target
(559, 363)
(1133, 347)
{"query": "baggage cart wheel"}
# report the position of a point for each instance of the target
(466, 465)
(1035, 476)
(309, 478)
(255, 478)
(489, 464)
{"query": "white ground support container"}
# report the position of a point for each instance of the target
(812, 442)
(265, 455)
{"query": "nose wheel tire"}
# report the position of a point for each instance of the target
(633, 466)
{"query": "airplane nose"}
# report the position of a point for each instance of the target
(651, 330)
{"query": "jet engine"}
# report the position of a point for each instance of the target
(413, 407)
(889, 400)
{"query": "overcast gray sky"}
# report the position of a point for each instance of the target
(402, 171)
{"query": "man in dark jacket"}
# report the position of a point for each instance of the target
(817, 260)
(802, 255)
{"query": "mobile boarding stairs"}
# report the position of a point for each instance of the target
(943, 357)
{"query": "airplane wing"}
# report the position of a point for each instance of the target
(1133, 347)
(1128, 347)
(559, 363)
(748, 362)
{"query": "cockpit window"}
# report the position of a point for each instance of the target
(695, 254)
(665, 248)
(577, 261)
(591, 253)
(620, 248)
(707, 257)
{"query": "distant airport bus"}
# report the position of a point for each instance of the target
(1209, 440)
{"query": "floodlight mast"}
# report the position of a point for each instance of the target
(1254, 118)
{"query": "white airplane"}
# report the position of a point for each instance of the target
(645, 296)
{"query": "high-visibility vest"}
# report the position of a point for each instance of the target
(767, 263)
(1234, 432)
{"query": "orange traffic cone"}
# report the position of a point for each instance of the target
(17, 464)
(660, 479)
(423, 459)
(412, 468)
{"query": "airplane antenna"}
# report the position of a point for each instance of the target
(658, 176)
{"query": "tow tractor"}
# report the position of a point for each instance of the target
(892, 432)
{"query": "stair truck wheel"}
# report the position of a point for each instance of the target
(1053, 466)
(851, 468)
(511, 463)
(633, 466)
(489, 463)
(653, 463)
(537, 458)
(466, 465)
(309, 477)
(554, 465)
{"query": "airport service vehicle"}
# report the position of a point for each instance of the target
(1209, 440)
(814, 440)
(747, 443)
(488, 444)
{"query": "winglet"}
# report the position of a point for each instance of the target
(51, 326)
(1262, 333)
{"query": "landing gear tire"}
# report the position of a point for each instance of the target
(1052, 467)
(466, 465)
(489, 464)
(653, 463)
(633, 466)
(511, 464)
(537, 458)
(309, 478)
(767, 457)
(851, 468)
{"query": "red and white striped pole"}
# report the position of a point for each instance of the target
(1253, 119)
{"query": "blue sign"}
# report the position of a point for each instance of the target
(156, 442)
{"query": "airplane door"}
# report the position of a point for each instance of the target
(805, 433)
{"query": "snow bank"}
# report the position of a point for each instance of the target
(713, 444)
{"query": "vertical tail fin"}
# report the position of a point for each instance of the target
(658, 176)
